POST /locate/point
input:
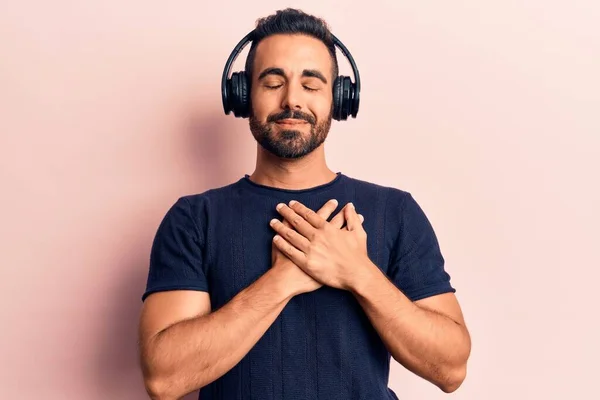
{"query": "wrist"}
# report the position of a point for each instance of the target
(366, 277)
(281, 284)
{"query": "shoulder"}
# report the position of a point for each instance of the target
(192, 211)
(399, 206)
(393, 197)
(202, 201)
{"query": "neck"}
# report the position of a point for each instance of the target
(303, 173)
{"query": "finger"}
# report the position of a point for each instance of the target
(327, 209)
(290, 235)
(309, 215)
(297, 257)
(297, 221)
(339, 219)
(352, 219)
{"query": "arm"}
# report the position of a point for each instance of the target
(184, 347)
(428, 337)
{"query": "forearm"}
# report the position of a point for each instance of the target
(427, 343)
(193, 353)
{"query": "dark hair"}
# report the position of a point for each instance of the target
(291, 21)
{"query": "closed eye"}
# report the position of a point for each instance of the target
(273, 87)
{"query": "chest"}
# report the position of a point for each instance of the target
(239, 247)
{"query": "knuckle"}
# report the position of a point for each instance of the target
(296, 220)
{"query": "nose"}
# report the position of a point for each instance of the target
(292, 97)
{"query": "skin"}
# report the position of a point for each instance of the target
(293, 92)
(428, 337)
(184, 345)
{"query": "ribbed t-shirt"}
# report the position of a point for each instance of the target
(322, 345)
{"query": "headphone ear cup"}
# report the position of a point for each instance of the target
(346, 97)
(355, 102)
(244, 95)
(227, 94)
(337, 98)
(233, 94)
(342, 97)
(239, 94)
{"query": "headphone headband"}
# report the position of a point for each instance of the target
(234, 90)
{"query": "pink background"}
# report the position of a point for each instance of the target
(488, 112)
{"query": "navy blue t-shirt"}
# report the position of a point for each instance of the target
(322, 345)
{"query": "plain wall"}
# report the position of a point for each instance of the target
(487, 112)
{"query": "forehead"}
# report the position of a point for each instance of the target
(292, 53)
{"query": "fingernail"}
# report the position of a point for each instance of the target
(292, 202)
(351, 205)
(279, 206)
(334, 201)
(276, 238)
(273, 221)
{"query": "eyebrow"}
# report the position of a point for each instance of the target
(311, 73)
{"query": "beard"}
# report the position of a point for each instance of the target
(290, 143)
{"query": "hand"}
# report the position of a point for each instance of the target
(302, 282)
(330, 255)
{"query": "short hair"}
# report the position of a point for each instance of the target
(291, 21)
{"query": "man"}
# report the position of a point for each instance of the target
(275, 287)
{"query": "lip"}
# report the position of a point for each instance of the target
(290, 122)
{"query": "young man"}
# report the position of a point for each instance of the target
(296, 282)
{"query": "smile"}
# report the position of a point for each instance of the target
(290, 122)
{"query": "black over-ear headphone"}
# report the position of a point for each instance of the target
(235, 90)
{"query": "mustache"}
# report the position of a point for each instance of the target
(289, 114)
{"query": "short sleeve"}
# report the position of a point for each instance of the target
(417, 264)
(176, 255)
